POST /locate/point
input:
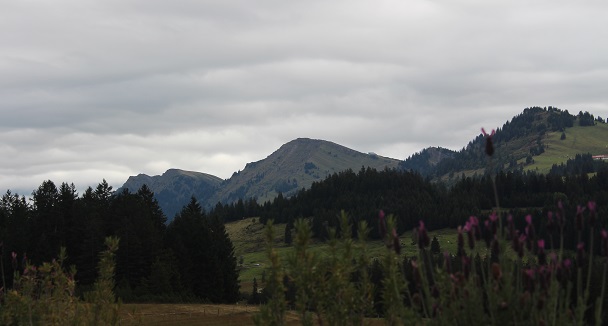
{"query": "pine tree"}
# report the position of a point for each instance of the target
(47, 223)
(224, 255)
(435, 248)
(205, 254)
(255, 296)
(288, 236)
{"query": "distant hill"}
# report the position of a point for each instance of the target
(295, 165)
(174, 188)
(535, 140)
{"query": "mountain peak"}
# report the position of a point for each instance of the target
(296, 165)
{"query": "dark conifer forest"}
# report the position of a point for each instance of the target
(412, 198)
(191, 259)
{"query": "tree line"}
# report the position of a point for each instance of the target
(190, 259)
(411, 198)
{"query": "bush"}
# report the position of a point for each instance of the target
(44, 295)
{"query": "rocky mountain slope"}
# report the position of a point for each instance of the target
(295, 165)
(174, 188)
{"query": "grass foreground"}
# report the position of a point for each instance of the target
(247, 235)
(200, 314)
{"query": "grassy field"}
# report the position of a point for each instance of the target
(247, 236)
(578, 140)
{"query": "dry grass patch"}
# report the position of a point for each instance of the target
(199, 314)
(193, 314)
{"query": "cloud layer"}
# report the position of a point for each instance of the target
(108, 89)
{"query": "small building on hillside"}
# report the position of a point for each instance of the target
(600, 157)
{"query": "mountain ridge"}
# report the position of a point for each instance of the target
(529, 141)
(293, 166)
(533, 140)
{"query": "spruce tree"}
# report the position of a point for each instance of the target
(435, 248)
(255, 296)
(205, 254)
(288, 236)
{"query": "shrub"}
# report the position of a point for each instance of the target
(44, 295)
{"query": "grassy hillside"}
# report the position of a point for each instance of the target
(247, 235)
(531, 140)
(294, 166)
(579, 140)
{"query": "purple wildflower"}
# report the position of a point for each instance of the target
(423, 236)
(550, 224)
(553, 259)
(447, 261)
(489, 142)
(29, 270)
(487, 233)
(469, 229)
(529, 276)
(579, 217)
(521, 245)
(396, 242)
(511, 226)
(14, 260)
(495, 247)
(542, 257)
(580, 254)
(436, 309)
(493, 222)
(416, 273)
(560, 215)
(592, 213)
(515, 241)
(475, 227)
(496, 271)
(460, 251)
(381, 224)
(530, 233)
(563, 271)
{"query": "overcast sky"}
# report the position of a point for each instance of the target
(109, 89)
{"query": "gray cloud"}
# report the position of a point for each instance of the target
(94, 90)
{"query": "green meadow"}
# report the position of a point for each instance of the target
(593, 140)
